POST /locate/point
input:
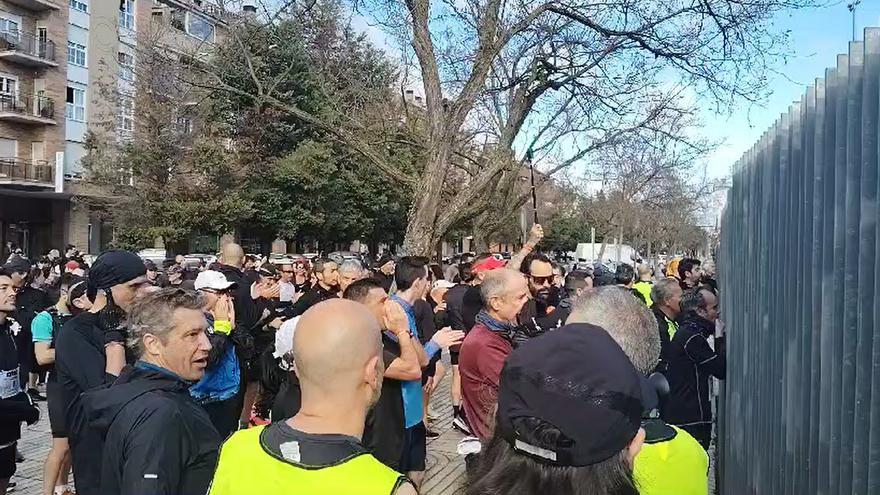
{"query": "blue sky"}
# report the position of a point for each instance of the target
(817, 36)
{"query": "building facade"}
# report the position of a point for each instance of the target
(67, 68)
(33, 71)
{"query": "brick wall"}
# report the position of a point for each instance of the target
(55, 78)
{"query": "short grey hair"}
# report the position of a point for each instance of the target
(496, 284)
(662, 290)
(626, 319)
(154, 314)
(351, 266)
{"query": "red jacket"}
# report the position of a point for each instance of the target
(483, 353)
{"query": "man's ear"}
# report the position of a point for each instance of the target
(370, 375)
(636, 445)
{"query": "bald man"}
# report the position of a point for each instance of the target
(247, 318)
(337, 354)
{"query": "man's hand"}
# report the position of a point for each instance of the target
(429, 385)
(395, 318)
(448, 337)
(270, 291)
(440, 307)
(223, 309)
(276, 323)
(535, 235)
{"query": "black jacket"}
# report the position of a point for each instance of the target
(246, 316)
(28, 302)
(691, 362)
(79, 363)
(157, 439)
(663, 330)
(15, 408)
(315, 295)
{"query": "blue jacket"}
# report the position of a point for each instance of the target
(222, 377)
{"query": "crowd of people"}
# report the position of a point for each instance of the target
(289, 376)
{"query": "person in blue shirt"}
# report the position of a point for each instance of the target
(72, 301)
(411, 278)
(218, 390)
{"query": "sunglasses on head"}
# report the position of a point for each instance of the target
(542, 280)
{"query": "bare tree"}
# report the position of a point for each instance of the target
(560, 77)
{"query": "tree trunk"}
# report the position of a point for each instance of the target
(420, 237)
(422, 231)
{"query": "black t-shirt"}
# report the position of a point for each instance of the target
(383, 434)
(454, 306)
(313, 450)
(471, 306)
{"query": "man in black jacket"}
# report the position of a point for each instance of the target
(666, 295)
(247, 319)
(158, 440)
(15, 406)
(89, 354)
(28, 301)
(691, 363)
(327, 273)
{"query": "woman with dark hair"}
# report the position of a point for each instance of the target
(568, 419)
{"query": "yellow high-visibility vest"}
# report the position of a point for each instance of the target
(246, 468)
(677, 466)
(644, 288)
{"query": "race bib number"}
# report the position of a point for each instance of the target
(9, 384)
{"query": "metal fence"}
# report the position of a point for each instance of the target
(800, 412)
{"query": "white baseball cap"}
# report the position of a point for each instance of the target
(212, 279)
(442, 284)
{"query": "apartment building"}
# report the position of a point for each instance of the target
(33, 69)
(67, 67)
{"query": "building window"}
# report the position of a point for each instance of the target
(79, 5)
(76, 54)
(193, 25)
(198, 27)
(8, 85)
(126, 66)
(9, 30)
(126, 14)
(184, 125)
(125, 115)
(76, 104)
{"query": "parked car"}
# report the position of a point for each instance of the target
(156, 255)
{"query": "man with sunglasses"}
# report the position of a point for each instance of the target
(286, 287)
(535, 317)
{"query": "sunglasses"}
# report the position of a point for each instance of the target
(288, 271)
(542, 280)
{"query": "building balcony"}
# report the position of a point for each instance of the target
(35, 5)
(21, 172)
(27, 49)
(33, 110)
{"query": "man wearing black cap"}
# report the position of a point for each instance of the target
(580, 410)
(90, 353)
(28, 301)
(385, 271)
